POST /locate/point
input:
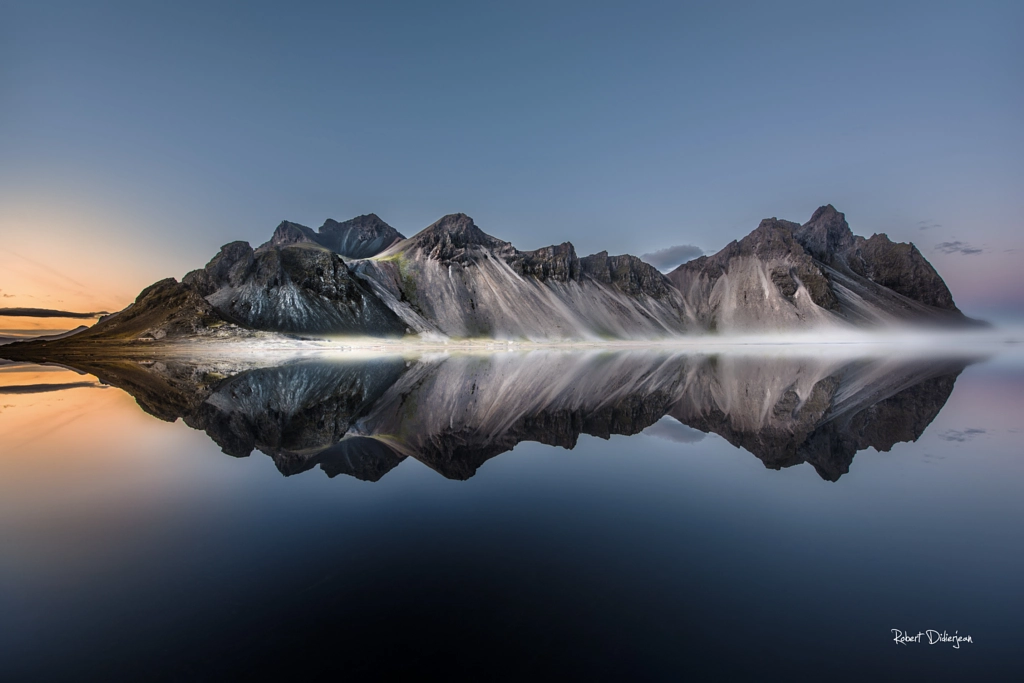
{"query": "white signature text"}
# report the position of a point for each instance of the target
(932, 636)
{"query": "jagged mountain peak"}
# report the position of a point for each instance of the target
(288, 232)
(451, 237)
(367, 219)
(770, 232)
(564, 249)
(759, 281)
(459, 227)
(368, 225)
(774, 223)
(359, 237)
(827, 213)
(627, 273)
(826, 234)
(453, 279)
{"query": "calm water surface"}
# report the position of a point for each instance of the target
(632, 515)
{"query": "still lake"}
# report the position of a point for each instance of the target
(604, 515)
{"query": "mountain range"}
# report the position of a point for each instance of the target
(452, 280)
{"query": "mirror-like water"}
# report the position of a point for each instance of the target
(621, 514)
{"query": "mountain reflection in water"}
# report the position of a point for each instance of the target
(454, 412)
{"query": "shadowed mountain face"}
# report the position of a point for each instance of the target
(454, 412)
(295, 287)
(359, 237)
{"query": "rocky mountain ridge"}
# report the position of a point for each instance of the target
(452, 280)
(356, 238)
(291, 288)
(788, 275)
(455, 280)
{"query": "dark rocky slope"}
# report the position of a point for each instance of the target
(167, 309)
(297, 288)
(359, 237)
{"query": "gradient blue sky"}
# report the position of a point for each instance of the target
(138, 137)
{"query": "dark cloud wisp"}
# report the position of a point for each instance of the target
(670, 257)
(960, 435)
(957, 247)
(45, 388)
(47, 313)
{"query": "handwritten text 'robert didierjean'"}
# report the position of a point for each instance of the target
(933, 637)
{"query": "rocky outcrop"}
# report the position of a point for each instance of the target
(557, 263)
(825, 236)
(453, 279)
(454, 238)
(897, 266)
(357, 238)
(766, 281)
(789, 276)
(362, 278)
(166, 309)
(296, 288)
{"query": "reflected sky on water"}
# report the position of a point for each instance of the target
(500, 515)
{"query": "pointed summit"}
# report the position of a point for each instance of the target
(826, 234)
(359, 237)
(453, 237)
(292, 233)
(460, 229)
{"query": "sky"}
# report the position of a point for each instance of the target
(137, 138)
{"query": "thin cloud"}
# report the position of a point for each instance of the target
(49, 278)
(927, 225)
(48, 269)
(47, 313)
(670, 257)
(46, 388)
(957, 247)
(960, 436)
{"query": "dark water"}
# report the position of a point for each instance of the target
(635, 515)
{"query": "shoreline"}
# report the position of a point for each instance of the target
(900, 342)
